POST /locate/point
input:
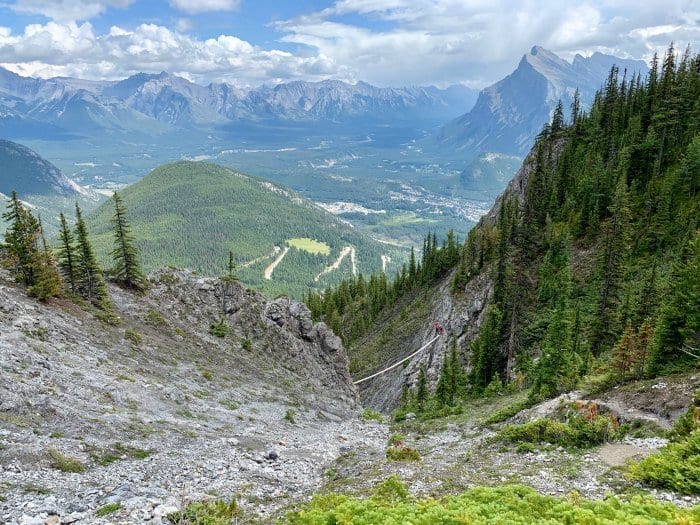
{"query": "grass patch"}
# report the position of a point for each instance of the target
(108, 509)
(65, 463)
(309, 245)
(117, 452)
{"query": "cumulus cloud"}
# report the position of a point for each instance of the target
(204, 6)
(447, 41)
(73, 49)
(385, 42)
(67, 10)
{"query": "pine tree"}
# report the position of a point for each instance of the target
(21, 241)
(67, 255)
(47, 281)
(127, 266)
(624, 353)
(90, 282)
(485, 354)
(677, 334)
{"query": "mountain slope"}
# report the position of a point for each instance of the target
(161, 402)
(24, 171)
(588, 266)
(190, 214)
(508, 115)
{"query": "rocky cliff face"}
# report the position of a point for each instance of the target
(460, 315)
(508, 114)
(259, 411)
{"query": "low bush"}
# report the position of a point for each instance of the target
(65, 463)
(108, 509)
(217, 512)
(372, 415)
(578, 432)
(674, 467)
(514, 505)
(218, 329)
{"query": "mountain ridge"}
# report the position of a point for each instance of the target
(506, 117)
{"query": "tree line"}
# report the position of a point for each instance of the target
(351, 307)
(73, 270)
(596, 268)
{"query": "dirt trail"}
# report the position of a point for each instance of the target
(271, 268)
(270, 255)
(344, 252)
(615, 454)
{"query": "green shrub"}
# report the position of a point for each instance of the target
(217, 512)
(154, 318)
(247, 344)
(396, 439)
(508, 411)
(402, 453)
(207, 374)
(372, 415)
(674, 467)
(133, 336)
(65, 463)
(514, 505)
(116, 452)
(218, 329)
(290, 415)
(579, 432)
(108, 509)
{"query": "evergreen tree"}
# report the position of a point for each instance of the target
(127, 266)
(21, 241)
(67, 255)
(47, 282)
(485, 350)
(90, 282)
(677, 335)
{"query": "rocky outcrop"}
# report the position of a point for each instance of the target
(460, 315)
(159, 410)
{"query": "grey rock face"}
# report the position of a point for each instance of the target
(160, 411)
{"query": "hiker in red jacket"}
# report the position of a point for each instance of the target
(438, 328)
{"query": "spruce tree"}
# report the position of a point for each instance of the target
(48, 281)
(21, 241)
(90, 282)
(67, 256)
(127, 266)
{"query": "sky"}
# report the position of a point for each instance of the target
(383, 42)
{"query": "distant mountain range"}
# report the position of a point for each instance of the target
(158, 103)
(510, 113)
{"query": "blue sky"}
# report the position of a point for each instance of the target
(384, 42)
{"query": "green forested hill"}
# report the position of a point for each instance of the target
(593, 252)
(596, 266)
(190, 214)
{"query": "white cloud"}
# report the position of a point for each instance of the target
(385, 42)
(204, 6)
(72, 49)
(67, 10)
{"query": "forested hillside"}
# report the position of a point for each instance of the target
(191, 214)
(593, 251)
(596, 265)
